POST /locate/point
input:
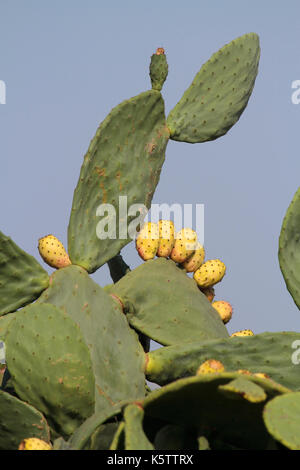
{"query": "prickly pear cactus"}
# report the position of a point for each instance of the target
(77, 357)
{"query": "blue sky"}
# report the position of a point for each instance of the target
(67, 63)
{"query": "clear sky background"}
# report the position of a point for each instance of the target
(66, 63)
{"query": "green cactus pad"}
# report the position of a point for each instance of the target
(135, 438)
(158, 69)
(83, 434)
(124, 159)
(50, 366)
(244, 389)
(198, 402)
(282, 419)
(218, 94)
(22, 279)
(18, 421)
(166, 305)
(289, 249)
(4, 323)
(270, 353)
(118, 442)
(118, 358)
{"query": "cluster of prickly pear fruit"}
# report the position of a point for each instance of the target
(160, 239)
(77, 354)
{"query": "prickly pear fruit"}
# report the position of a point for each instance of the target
(210, 366)
(166, 238)
(53, 252)
(195, 260)
(262, 375)
(184, 246)
(243, 333)
(209, 292)
(210, 273)
(33, 443)
(147, 241)
(158, 69)
(224, 309)
(244, 372)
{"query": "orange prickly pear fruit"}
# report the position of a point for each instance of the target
(195, 260)
(243, 333)
(184, 246)
(147, 241)
(224, 309)
(53, 252)
(210, 366)
(33, 443)
(166, 238)
(210, 273)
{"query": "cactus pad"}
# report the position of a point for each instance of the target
(124, 159)
(19, 420)
(289, 251)
(270, 353)
(118, 442)
(218, 94)
(50, 366)
(244, 389)
(198, 402)
(158, 69)
(166, 305)
(135, 438)
(282, 419)
(117, 357)
(22, 279)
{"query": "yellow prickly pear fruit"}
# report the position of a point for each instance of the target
(53, 252)
(166, 238)
(261, 375)
(244, 372)
(243, 333)
(224, 309)
(209, 292)
(210, 366)
(33, 443)
(210, 273)
(147, 241)
(195, 260)
(184, 246)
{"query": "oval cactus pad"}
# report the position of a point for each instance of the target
(270, 353)
(117, 356)
(50, 366)
(218, 94)
(282, 419)
(18, 421)
(124, 159)
(22, 279)
(200, 402)
(289, 248)
(167, 305)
